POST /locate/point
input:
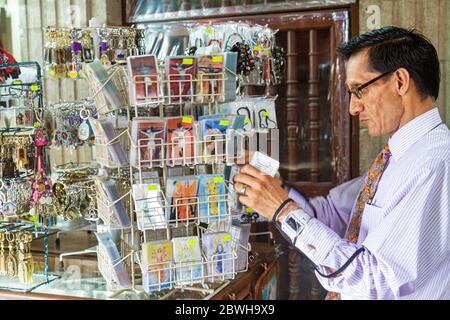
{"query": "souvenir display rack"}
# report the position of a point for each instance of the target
(121, 79)
(21, 179)
(105, 215)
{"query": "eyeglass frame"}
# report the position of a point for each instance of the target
(358, 91)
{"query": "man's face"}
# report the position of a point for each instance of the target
(380, 107)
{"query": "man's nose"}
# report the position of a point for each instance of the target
(356, 106)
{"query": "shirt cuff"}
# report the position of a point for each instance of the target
(301, 201)
(316, 241)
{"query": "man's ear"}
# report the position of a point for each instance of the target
(403, 81)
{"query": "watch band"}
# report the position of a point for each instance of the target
(280, 208)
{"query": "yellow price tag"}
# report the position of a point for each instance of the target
(187, 120)
(224, 123)
(247, 120)
(192, 242)
(36, 124)
(17, 82)
(256, 48)
(249, 210)
(218, 180)
(266, 113)
(227, 238)
(265, 52)
(217, 58)
(209, 30)
(34, 87)
(152, 187)
(188, 61)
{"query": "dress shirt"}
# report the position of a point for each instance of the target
(405, 229)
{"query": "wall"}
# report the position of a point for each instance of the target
(428, 16)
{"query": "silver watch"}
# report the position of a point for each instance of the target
(295, 223)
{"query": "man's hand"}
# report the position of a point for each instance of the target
(263, 193)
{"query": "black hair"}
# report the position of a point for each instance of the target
(391, 48)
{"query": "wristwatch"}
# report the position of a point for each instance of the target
(294, 224)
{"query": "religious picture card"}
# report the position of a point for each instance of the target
(157, 265)
(188, 260)
(144, 84)
(148, 138)
(212, 196)
(181, 193)
(181, 72)
(148, 207)
(210, 78)
(219, 257)
(180, 139)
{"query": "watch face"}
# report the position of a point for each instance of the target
(293, 223)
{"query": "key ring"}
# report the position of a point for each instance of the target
(85, 114)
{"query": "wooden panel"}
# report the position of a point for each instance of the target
(313, 105)
(292, 103)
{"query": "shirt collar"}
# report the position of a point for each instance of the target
(411, 132)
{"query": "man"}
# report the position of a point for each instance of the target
(385, 235)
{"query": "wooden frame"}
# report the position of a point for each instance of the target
(267, 280)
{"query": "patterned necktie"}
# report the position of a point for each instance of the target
(365, 195)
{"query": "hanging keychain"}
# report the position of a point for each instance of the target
(50, 52)
(76, 51)
(3, 270)
(2, 200)
(84, 129)
(88, 48)
(104, 34)
(42, 185)
(11, 260)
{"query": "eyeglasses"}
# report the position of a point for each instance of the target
(358, 91)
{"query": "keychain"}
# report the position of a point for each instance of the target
(88, 48)
(11, 261)
(3, 270)
(76, 51)
(84, 128)
(104, 34)
(42, 185)
(24, 257)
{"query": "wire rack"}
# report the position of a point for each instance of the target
(167, 216)
(157, 90)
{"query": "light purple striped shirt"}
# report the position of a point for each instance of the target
(405, 229)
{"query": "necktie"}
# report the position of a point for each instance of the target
(366, 194)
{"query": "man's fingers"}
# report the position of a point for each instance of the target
(252, 171)
(247, 180)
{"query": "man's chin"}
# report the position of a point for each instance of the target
(373, 132)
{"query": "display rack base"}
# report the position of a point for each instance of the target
(11, 284)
